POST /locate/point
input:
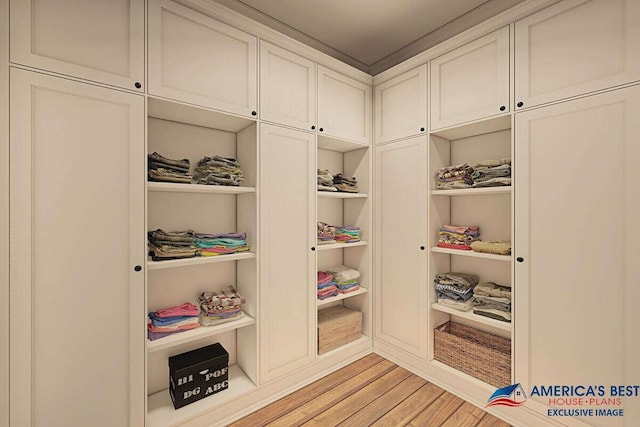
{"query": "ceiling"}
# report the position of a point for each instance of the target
(371, 35)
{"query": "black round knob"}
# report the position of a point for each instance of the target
(313, 248)
(321, 129)
(502, 108)
(520, 104)
(520, 259)
(313, 127)
(421, 129)
(254, 113)
(138, 85)
(137, 268)
(422, 248)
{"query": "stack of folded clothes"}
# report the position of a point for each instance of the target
(218, 170)
(457, 237)
(220, 306)
(346, 278)
(492, 173)
(492, 300)
(164, 245)
(458, 176)
(347, 234)
(172, 320)
(455, 290)
(168, 170)
(491, 247)
(326, 233)
(326, 286)
(345, 184)
(325, 181)
(220, 244)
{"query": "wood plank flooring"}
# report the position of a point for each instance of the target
(371, 391)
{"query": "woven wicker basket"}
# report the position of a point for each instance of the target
(480, 354)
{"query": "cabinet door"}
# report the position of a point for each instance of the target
(575, 47)
(287, 263)
(101, 41)
(401, 240)
(401, 106)
(471, 82)
(196, 59)
(287, 87)
(577, 231)
(343, 106)
(77, 322)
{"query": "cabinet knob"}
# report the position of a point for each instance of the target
(502, 108)
(520, 259)
(313, 248)
(138, 85)
(137, 268)
(520, 104)
(313, 127)
(254, 113)
(321, 129)
(421, 129)
(422, 248)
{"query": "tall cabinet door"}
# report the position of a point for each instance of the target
(77, 326)
(287, 261)
(401, 244)
(101, 41)
(577, 239)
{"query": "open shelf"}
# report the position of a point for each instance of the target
(472, 254)
(198, 333)
(174, 263)
(198, 188)
(340, 245)
(339, 195)
(505, 326)
(472, 191)
(336, 144)
(360, 341)
(339, 297)
(161, 412)
(479, 127)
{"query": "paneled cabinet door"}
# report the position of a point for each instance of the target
(196, 59)
(344, 106)
(471, 82)
(77, 322)
(577, 239)
(287, 87)
(401, 106)
(401, 237)
(102, 41)
(287, 261)
(576, 47)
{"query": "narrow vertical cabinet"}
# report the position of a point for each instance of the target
(98, 41)
(344, 107)
(575, 47)
(401, 106)
(77, 248)
(180, 131)
(196, 59)
(401, 245)
(586, 286)
(287, 168)
(471, 82)
(287, 87)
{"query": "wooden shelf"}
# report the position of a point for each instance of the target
(174, 263)
(339, 297)
(472, 254)
(198, 188)
(198, 333)
(505, 326)
(472, 191)
(340, 245)
(161, 412)
(339, 195)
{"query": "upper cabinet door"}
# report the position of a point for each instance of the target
(575, 47)
(343, 106)
(102, 41)
(471, 82)
(401, 106)
(287, 87)
(196, 59)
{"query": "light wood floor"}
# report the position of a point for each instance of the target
(371, 391)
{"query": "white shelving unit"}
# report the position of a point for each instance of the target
(341, 245)
(197, 188)
(472, 191)
(340, 297)
(339, 195)
(174, 263)
(469, 315)
(472, 254)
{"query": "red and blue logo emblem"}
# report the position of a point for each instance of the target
(512, 395)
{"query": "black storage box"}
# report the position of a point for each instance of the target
(197, 374)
